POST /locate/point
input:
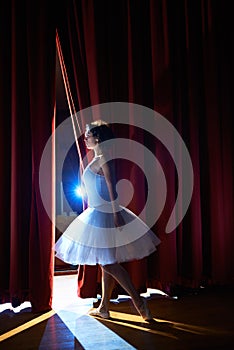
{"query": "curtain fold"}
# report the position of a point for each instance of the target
(27, 88)
(176, 58)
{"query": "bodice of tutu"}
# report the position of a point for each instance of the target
(96, 188)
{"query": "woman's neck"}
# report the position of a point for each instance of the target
(97, 152)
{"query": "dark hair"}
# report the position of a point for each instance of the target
(101, 130)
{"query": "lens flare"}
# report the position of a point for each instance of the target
(78, 191)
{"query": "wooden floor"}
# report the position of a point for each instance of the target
(199, 321)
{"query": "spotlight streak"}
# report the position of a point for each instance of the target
(134, 318)
(27, 325)
(121, 318)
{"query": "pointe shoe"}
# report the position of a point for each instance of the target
(145, 312)
(98, 313)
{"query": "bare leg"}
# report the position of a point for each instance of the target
(108, 284)
(122, 277)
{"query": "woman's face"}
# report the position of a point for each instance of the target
(90, 140)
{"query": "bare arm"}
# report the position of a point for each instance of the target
(108, 173)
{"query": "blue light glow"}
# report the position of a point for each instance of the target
(78, 191)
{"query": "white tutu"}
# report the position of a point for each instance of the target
(92, 237)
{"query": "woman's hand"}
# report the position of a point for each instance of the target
(119, 220)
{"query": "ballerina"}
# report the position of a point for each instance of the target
(103, 233)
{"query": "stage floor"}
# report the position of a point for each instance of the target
(202, 320)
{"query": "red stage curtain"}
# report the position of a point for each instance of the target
(176, 58)
(27, 89)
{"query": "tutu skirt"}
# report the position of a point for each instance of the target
(92, 238)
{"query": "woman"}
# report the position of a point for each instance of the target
(103, 233)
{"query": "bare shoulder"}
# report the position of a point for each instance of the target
(107, 167)
(103, 163)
